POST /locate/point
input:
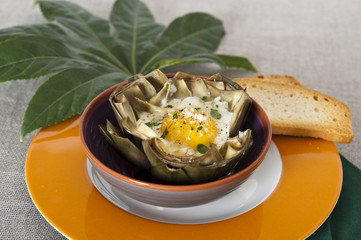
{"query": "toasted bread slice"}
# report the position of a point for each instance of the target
(298, 111)
(275, 79)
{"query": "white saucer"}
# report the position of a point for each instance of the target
(247, 196)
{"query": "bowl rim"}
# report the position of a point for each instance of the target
(174, 188)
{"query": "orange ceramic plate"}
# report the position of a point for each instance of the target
(61, 189)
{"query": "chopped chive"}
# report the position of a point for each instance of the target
(164, 133)
(204, 98)
(175, 116)
(217, 106)
(192, 128)
(202, 148)
(170, 106)
(215, 114)
(200, 128)
(152, 123)
(197, 108)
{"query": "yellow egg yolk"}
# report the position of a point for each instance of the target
(189, 126)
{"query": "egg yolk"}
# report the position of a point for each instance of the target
(189, 126)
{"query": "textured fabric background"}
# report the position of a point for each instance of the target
(316, 41)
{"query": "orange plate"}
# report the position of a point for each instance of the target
(61, 189)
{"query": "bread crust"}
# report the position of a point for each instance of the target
(298, 111)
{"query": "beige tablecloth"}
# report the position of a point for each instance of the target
(316, 41)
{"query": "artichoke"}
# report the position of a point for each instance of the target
(178, 145)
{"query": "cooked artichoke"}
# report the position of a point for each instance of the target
(180, 145)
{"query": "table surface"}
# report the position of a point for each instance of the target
(318, 42)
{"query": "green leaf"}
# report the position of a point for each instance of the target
(94, 30)
(66, 94)
(191, 34)
(197, 58)
(45, 30)
(137, 28)
(202, 148)
(237, 62)
(26, 57)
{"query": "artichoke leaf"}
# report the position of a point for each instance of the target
(119, 118)
(170, 175)
(237, 146)
(123, 145)
(183, 169)
(181, 89)
(141, 131)
(240, 113)
(130, 91)
(232, 97)
(215, 84)
(135, 77)
(230, 84)
(210, 173)
(148, 107)
(182, 75)
(125, 109)
(198, 88)
(162, 96)
(157, 78)
(103, 130)
(146, 87)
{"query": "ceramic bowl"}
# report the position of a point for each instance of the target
(134, 182)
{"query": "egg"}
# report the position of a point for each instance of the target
(186, 124)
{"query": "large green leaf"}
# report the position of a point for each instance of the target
(135, 25)
(26, 57)
(46, 30)
(94, 31)
(191, 34)
(237, 62)
(66, 94)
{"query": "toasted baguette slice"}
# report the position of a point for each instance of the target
(275, 79)
(298, 111)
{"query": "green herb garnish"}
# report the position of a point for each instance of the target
(170, 106)
(204, 98)
(197, 108)
(175, 116)
(215, 114)
(164, 133)
(202, 148)
(100, 52)
(200, 127)
(152, 123)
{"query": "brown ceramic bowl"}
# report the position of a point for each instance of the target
(127, 178)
